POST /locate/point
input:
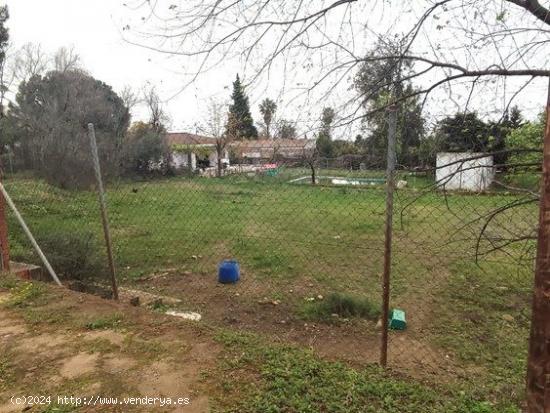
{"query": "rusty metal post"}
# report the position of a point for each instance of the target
(538, 364)
(390, 177)
(103, 208)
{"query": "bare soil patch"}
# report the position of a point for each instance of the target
(66, 358)
(251, 307)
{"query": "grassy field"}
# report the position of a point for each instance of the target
(296, 243)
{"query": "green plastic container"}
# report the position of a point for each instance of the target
(397, 319)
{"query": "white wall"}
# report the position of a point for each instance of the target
(181, 160)
(470, 175)
(213, 158)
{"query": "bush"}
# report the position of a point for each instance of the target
(73, 256)
(145, 151)
(344, 305)
(528, 136)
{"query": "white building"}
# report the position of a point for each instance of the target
(466, 171)
(197, 149)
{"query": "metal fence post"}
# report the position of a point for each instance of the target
(103, 208)
(29, 235)
(390, 172)
(538, 366)
(4, 244)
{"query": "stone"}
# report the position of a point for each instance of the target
(134, 301)
(508, 317)
(401, 184)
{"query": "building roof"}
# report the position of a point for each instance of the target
(184, 138)
(274, 143)
(267, 148)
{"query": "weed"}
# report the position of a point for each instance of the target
(159, 306)
(100, 345)
(6, 375)
(60, 408)
(111, 321)
(24, 294)
(341, 305)
(288, 379)
(143, 349)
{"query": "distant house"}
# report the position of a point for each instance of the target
(195, 150)
(268, 150)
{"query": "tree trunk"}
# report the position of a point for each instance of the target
(190, 162)
(313, 176)
(219, 165)
(538, 367)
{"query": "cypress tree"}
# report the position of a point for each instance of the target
(243, 127)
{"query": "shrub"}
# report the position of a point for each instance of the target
(74, 256)
(145, 151)
(344, 305)
(528, 136)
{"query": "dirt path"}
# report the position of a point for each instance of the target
(72, 344)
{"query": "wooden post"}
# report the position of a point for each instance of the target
(103, 208)
(390, 172)
(538, 364)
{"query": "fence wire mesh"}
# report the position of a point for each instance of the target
(311, 257)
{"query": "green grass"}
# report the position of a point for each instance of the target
(322, 240)
(484, 320)
(159, 306)
(288, 379)
(6, 372)
(340, 305)
(111, 321)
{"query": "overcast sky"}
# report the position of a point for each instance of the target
(94, 28)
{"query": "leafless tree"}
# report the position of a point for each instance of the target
(129, 97)
(157, 114)
(457, 51)
(65, 59)
(7, 80)
(453, 45)
(216, 127)
(29, 61)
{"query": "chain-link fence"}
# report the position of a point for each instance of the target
(308, 234)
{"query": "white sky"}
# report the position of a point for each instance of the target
(94, 29)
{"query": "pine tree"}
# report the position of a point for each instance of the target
(243, 127)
